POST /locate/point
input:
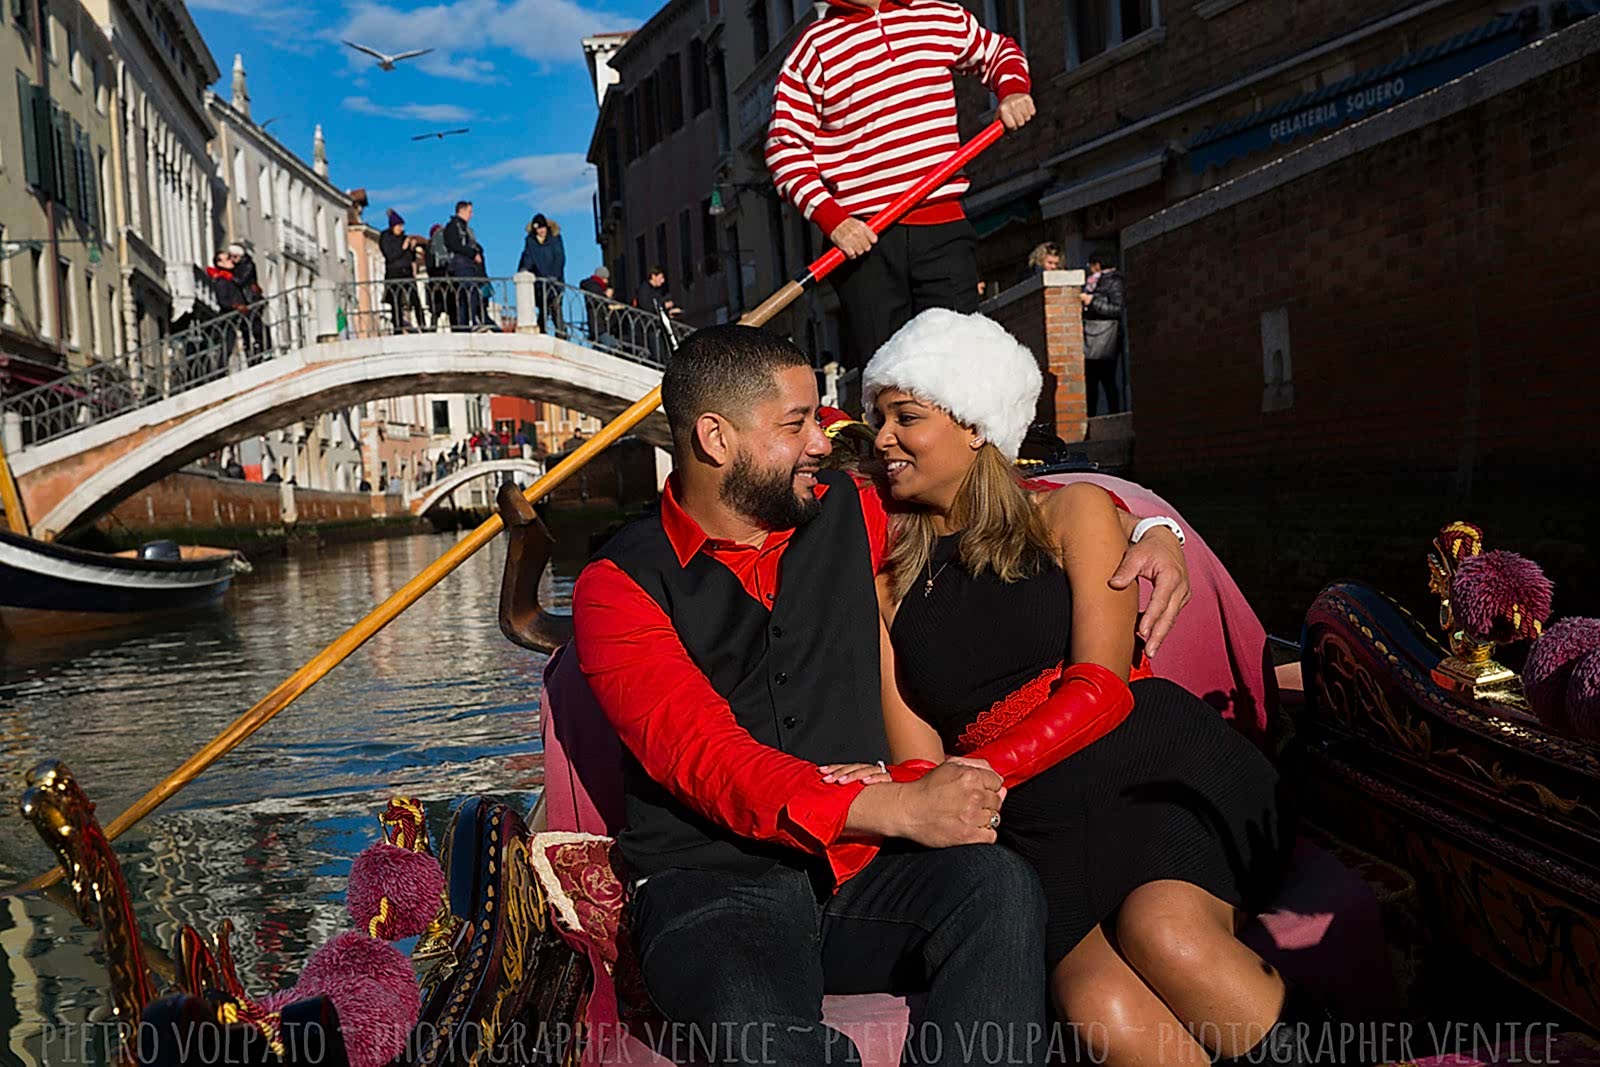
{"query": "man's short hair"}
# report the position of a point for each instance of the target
(723, 369)
(657, 270)
(461, 204)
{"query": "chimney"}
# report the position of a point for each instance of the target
(319, 153)
(241, 94)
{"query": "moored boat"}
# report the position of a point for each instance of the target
(49, 588)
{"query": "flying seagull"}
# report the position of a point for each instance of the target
(441, 134)
(387, 62)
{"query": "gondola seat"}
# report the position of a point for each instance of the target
(1326, 930)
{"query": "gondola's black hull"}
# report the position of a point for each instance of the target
(47, 587)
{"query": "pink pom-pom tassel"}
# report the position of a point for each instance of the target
(1550, 664)
(1583, 698)
(412, 883)
(1500, 596)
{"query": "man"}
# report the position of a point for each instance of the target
(400, 273)
(729, 679)
(466, 268)
(600, 303)
(655, 298)
(544, 255)
(1102, 333)
(865, 106)
(256, 337)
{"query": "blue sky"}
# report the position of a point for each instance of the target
(510, 70)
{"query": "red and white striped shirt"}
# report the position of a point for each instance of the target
(865, 105)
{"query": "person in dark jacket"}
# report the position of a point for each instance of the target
(256, 338)
(466, 262)
(400, 274)
(230, 300)
(544, 254)
(1102, 334)
(601, 304)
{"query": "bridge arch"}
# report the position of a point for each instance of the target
(433, 494)
(71, 479)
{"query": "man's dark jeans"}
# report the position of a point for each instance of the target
(740, 964)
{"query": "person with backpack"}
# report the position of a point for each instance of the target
(466, 268)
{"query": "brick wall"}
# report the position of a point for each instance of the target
(1441, 303)
(197, 501)
(1046, 316)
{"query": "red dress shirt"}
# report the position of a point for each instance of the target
(682, 732)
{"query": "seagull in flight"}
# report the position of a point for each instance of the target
(441, 134)
(387, 62)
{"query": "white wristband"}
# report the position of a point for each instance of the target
(1146, 525)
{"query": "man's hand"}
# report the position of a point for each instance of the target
(951, 805)
(854, 238)
(1016, 110)
(1159, 558)
(1086, 298)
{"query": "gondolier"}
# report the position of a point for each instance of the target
(864, 104)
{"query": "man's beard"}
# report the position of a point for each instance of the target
(767, 497)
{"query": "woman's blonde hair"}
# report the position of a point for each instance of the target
(1001, 530)
(1037, 256)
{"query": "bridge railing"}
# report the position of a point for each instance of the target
(301, 316)
(162, 368)
(523, 303)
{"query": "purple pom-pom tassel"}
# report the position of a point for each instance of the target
(1550, 664)
(1500, 596)
(1583, 698)
(412, 882)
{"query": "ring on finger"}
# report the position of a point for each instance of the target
(994, 821)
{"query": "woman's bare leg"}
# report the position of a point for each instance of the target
(1117, 1019)
(1181, 941)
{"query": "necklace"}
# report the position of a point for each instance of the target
(933, 576)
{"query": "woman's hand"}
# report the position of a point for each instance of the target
(846, 773)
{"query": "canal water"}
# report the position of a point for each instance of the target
(439, 706)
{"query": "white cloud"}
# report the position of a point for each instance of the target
(362, 105)
(557, 184)
(540, 30)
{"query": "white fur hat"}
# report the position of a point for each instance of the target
(966, 364)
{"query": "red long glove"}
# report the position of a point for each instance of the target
(1086, 703)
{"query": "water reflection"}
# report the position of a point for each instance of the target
(439, 705)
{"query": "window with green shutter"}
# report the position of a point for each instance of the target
(31, 162)
(66, 191)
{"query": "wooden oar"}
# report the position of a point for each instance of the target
(10, 498)
(307, 676)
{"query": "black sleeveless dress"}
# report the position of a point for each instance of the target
(1174, 792)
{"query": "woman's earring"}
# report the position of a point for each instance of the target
(978, 442)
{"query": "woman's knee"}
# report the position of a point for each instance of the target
(1164, 927)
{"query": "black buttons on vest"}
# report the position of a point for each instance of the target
(777, 631)
(790, 722)
(782, 678)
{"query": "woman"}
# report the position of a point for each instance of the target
(1156, 831)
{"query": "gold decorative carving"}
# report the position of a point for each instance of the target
(1350, 691)
(63, 815)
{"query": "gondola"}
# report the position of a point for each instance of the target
(49, 588)
(1446, 819)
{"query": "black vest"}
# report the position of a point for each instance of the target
(802, 678)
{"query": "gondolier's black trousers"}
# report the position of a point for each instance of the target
(739, 965)
(910, 269)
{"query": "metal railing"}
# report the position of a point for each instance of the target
(288, 321)
(163, 368)
(471, 304)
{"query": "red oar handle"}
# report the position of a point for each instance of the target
(911, 197)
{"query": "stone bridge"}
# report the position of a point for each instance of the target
(426, 498)
(72, 469)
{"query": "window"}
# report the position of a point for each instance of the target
(610, 177)
(661, 246)
(105, 187)
(95, 340)
(785, 16)
(74, 67)
(685, 249)
(42, 313)
(619, 277)
(322, 229)
(73, 332)
(672, 93)
(760, 35)
(630, 125)
(650, 113)
(38, 141)
(1096, 26)
(98, 75)
(708, 239)
(22, 14)
(779, 239)
(8, 295)
(642, 258)
(241, 183)
(1007, 17)
(699, 78)
(264, 191)
(441, 416)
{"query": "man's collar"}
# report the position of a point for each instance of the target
(684, 533)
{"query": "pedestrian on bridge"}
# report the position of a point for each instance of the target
(256, 338)
(400, 274)
(544, 255)
(466, 269)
